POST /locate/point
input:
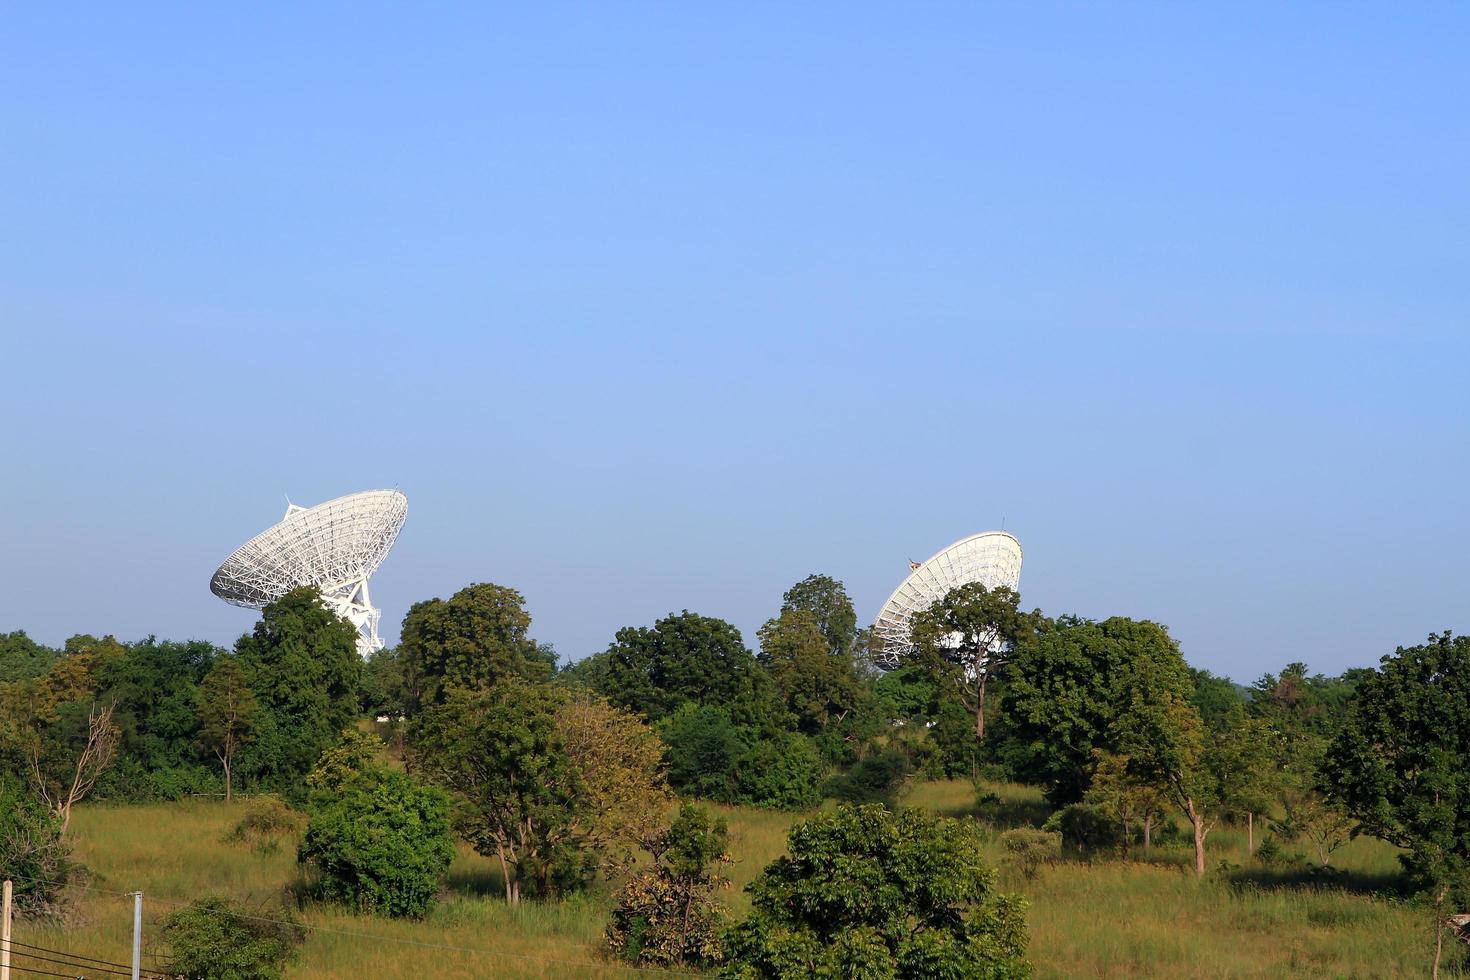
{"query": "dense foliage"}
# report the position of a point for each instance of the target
(865, 892)
(1399, 763)
(379, 842)
(667, 915)
(302, 664)
(220, 939)
(34, 852)
(469, 641)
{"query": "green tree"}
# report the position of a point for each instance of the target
(228, 713)
(554, 783)
(56, 735)
(1398, 764)
(1218, 699)
(967, 638)
(1131, 801)
(826, 600)
(221, 939)
(34, 852)
(381, 691)
(302, 663)
(1204, 772)
(469, 641)
(1064, 693)
(704, 749)
(619, 762)
(504, 752)
(355, 753)
(816, 684)
(380, 842)
(21, 657)
(869, 893)
(667, 915)
(154, 686)
(686, 659)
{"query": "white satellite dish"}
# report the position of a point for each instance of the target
(334, 546)
(991, 558)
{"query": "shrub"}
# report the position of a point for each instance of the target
(1027, 849)
(667, 916)
(865, 892)
(875, 779)
(34, 852)
(703, 746)
(221, 939)
(1085, 827)
(340, 763)
(382, 844)
(781, 772)
(267, 817)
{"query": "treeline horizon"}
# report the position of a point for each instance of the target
(562, 773)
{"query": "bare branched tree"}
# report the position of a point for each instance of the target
(96, 755)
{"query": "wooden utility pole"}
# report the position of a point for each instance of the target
(5, 934)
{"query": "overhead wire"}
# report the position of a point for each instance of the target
(77, 956)
(83, 962)
(473, 950)
(46, 973)
(81, 966)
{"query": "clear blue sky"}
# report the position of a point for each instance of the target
(649, 307)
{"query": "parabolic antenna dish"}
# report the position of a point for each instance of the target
(992, 558)
(334, 546)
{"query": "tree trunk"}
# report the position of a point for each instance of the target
(1148, 831)
(980, 712)
(510, 895)
(1438, 930)
(228, 789)
(1250, 832)
(1197, 821)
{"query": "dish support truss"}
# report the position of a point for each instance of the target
(352, 602)
(992, 558)
(335, 546)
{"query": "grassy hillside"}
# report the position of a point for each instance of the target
(1148, 918)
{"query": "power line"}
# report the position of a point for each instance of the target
(475, 951)
(83, 966)
(46, 973)
(74, 956)
(89, 962)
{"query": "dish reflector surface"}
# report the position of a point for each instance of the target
(334, 546)
(992, 558)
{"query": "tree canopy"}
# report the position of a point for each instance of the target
(865, 892)
(469, 641)
(302, 663)
(1399, 762)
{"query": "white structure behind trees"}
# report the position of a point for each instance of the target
(335, 546)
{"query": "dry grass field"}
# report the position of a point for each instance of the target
(1145, 918)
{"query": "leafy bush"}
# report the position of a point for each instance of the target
(340, 763)
(1027, 849)
(667, 916)
(869, 893)
(221, 939)
(34, 853)
(875, 779)
(703, 747)
(711, 757)
(1085, 827)
(782, 772)
(382, 844)
(267, 817)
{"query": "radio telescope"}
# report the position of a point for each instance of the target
(992, 558)
(334, 546)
